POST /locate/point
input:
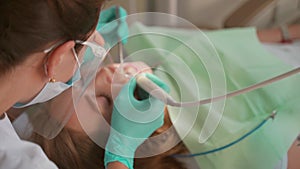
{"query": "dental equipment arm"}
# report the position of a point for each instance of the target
(120, 43)
(158, 93)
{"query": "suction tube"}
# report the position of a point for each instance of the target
(160, 94)
(154, 90)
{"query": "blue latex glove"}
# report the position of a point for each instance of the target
(111, 29)
(133, 121)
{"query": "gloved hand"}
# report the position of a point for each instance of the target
(111, 27)
(133, 121)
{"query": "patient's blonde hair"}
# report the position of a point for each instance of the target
(75, 150)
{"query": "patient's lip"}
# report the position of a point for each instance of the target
(137, 67)
(131, 70)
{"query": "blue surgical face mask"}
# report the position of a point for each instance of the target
(52, 89)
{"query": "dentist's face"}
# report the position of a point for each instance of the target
(108, 83)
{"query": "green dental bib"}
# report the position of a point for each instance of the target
(244, 62)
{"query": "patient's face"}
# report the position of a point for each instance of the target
(106, 78)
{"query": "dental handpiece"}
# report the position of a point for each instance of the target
(120, 45)
(157, 92)
(160, 94)
(154, 90)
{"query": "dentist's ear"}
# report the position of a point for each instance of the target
(58, 59)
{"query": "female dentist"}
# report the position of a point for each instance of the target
(38, 51)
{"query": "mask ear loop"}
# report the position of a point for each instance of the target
(76, 57)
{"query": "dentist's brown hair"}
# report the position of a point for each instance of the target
(29, 26)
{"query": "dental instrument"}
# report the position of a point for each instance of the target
(160, 94)
(120, 45)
